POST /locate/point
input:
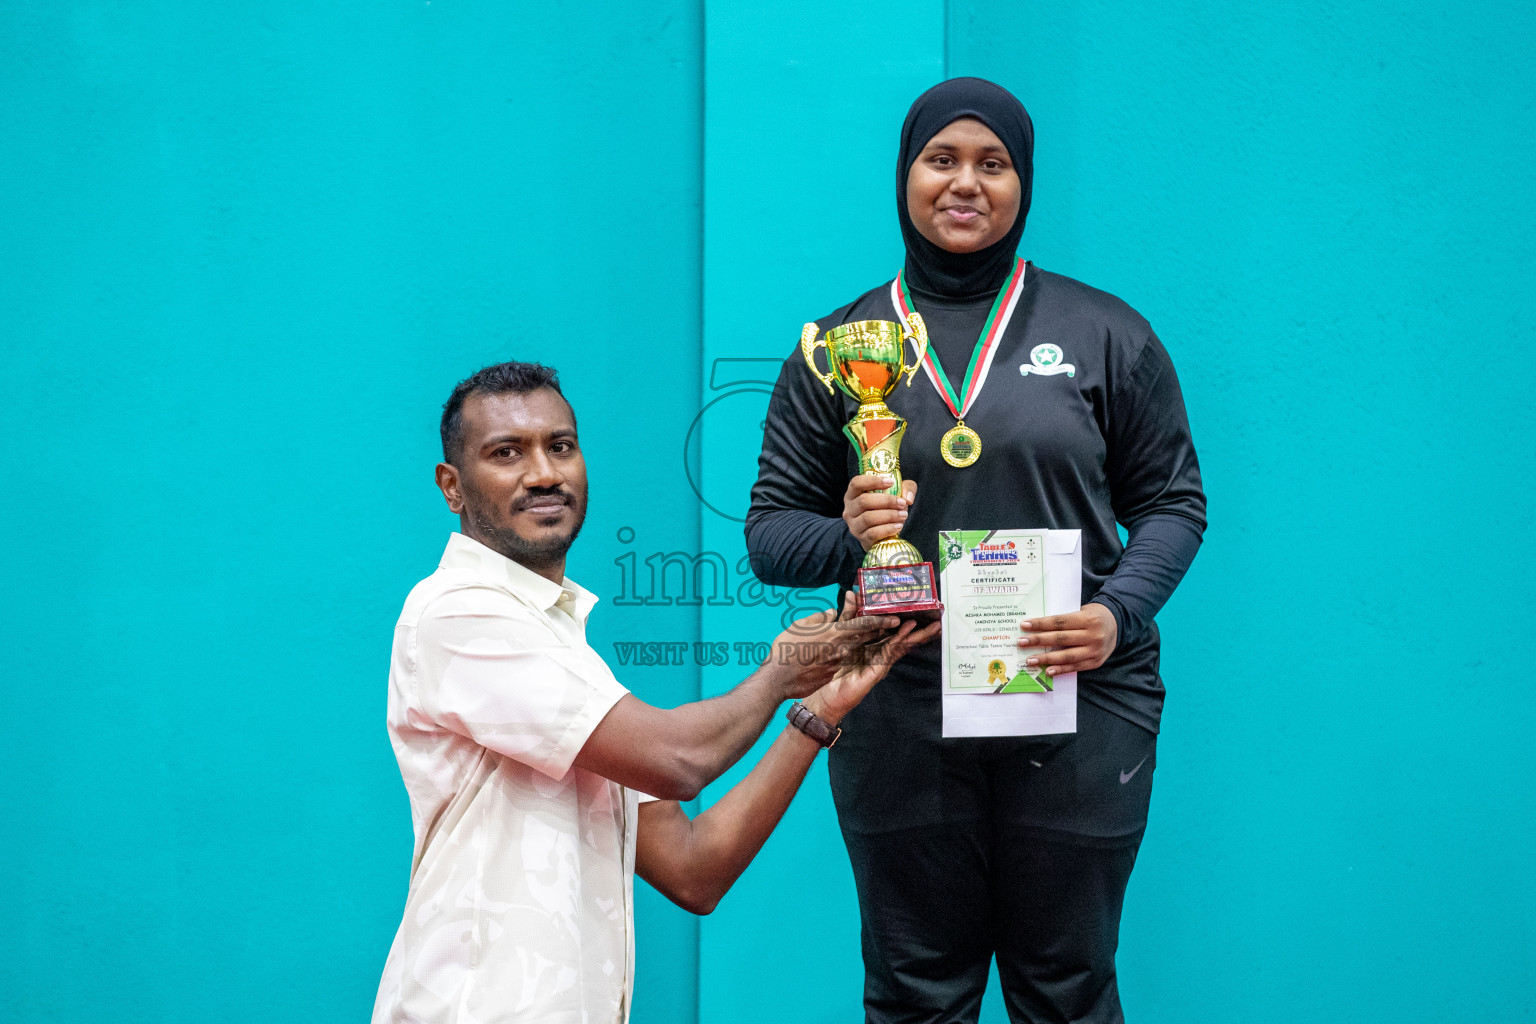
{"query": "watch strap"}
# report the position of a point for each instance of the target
(804, 719)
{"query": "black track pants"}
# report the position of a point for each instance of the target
(1018, 847)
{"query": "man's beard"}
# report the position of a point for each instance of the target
(533, 554)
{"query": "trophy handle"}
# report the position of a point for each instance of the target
(918, 332)
(808, 347)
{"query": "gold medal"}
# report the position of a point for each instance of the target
(961, 446)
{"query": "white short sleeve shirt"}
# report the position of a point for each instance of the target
(521, 897)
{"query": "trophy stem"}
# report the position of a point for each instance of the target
(876, 435)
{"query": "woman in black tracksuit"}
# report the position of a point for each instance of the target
(1015, 846)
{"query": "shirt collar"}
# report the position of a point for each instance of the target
(467, 553)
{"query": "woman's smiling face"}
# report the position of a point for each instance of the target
(962, 191)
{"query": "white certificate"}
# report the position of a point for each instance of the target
(989, 580)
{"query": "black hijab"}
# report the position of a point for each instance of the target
(931, 268)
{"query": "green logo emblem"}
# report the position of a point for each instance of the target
(1045, 360)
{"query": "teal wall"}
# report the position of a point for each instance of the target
(246, 249)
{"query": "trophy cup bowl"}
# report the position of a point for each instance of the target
(866, 359)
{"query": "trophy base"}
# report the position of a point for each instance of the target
(904, 590)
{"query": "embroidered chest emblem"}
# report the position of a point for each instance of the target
(1046, 361)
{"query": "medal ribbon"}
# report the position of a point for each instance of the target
(986, 345)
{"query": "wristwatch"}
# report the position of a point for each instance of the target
(804, 719)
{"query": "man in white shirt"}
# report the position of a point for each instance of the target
(524, 756)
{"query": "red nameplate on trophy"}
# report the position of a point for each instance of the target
(904, 590)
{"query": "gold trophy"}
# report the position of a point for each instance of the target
(867, 359)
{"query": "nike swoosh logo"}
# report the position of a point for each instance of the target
(1126, 776)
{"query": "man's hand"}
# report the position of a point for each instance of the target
(695, 862)
(816, 648)
(1083, 639)
(853, 681)
(871, 514)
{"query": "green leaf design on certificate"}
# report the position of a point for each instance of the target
(953, 544)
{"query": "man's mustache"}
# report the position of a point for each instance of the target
(543, 498)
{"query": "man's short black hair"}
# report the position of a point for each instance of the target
(500, 379)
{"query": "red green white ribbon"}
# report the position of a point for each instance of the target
(986, 345)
